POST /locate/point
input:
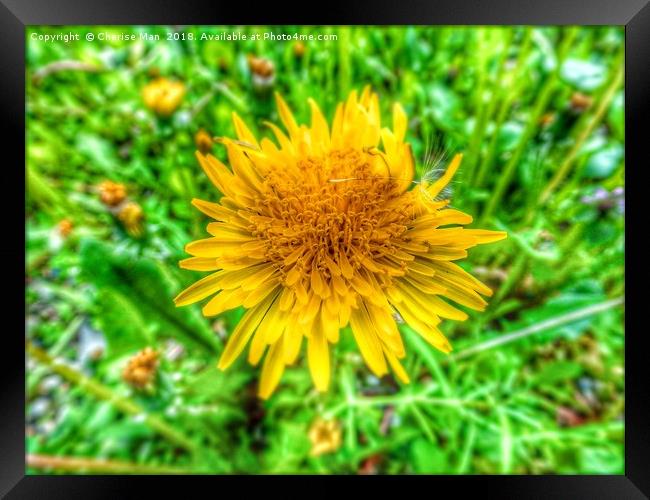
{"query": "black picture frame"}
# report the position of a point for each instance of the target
(16, 15)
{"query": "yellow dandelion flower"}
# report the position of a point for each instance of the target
(321, 231)
(325, 437)
(163, 96)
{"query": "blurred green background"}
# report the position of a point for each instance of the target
(534, 385)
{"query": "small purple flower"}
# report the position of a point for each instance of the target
(606, 200)
(601, 194)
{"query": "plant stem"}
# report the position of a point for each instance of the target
(344, 60)
(480, 111)
(65, 65)
(531, 127)
(95, 466)
(540, 327)
(466, 457)
(485, 110)
(417, 343)
(567, 247)
(505, 441)
(514, 276)
(122, 403)
(583, 133)
(347, 383)
(63, 340)
(410, 399)
(506, 104)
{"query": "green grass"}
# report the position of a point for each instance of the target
(534, 384)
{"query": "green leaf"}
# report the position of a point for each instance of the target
(150, 286)
(47, 198)
(584, 75)
(616, 115)
(124, 430)
(602, 460)
(559, 371)
(121, 322)
(509, 135)
(99, 151)
(602, 164)
(427, 457)
(288, 446)
(580, 295)
(444, 104)
(546, 50)
(213, 384)
(505, 439)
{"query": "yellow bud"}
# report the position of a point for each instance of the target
(112, 193)
(163, 96)
(203, 141)
(131, 216)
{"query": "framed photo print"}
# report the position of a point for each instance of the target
(387, 241)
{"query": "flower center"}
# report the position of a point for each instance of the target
(336, 211)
